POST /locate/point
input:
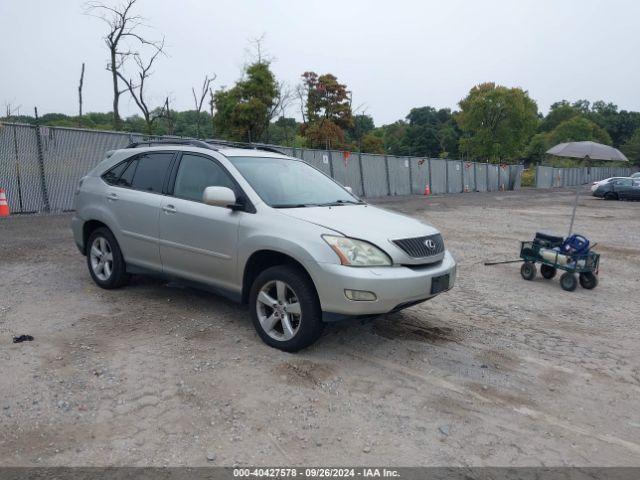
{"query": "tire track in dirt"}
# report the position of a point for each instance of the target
(522, 410)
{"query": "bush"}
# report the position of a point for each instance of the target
(529, 177)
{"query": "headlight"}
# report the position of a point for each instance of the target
(357, 253)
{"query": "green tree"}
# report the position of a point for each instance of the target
(632, 148)
(394, 137)
(372, 144)
(283, 131)
(620, 125)
(432, 132)
(537, 148)
(578, 129)
(558, 113)
(243, 112)
(362, 125)
(327, 110)
(448, 137)
(497, 122)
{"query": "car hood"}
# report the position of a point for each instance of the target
(364, 222)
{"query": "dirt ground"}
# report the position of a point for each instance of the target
(498, 371)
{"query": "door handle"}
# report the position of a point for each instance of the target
(112, 196)
(169, 209)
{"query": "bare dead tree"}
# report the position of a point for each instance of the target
(168, 116)
(122, 26)
(302, 92)
(80, 95)
(137, 88)
(255, 52)
(11, 110)
(198, 99)
(212, 108)
(281, 104)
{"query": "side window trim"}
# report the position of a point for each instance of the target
(135, 168)
(125, 161)
(239, 191)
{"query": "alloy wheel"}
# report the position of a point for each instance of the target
(279, 310)
(101, 257)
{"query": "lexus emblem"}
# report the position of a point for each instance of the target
(430, 244)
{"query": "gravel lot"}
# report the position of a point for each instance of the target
(498, 371)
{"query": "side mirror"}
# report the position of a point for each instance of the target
(349, 189)
(219, 197)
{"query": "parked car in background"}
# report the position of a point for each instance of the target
(258, 227)
(619, 189)
(597, 183)
(636, 175)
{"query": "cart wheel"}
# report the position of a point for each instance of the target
(528, 270)
(547, 271)
(568, 282)
(588, 280)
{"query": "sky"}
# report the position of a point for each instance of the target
(393, 55)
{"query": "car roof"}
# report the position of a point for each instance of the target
(227, 151)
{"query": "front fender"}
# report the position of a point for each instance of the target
(299, 240)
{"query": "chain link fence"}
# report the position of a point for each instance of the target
(40, 168)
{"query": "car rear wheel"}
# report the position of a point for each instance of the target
(588, 280)
(285, 309)
(105, 261)
(568, 282)
(547, 271)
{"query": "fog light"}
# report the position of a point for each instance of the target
(360, 295)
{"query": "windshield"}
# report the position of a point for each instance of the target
(289, 183)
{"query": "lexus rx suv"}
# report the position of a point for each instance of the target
(259, 227)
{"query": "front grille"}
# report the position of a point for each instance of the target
(417, 248)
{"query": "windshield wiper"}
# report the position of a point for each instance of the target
(292, 205)
(339, 203)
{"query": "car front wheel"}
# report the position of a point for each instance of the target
(285, 309)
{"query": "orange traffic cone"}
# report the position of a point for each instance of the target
(427, 190)
(4, 206)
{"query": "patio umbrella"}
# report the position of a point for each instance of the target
(586, 151)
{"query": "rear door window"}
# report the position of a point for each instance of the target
(150, 172)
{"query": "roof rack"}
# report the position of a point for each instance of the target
(178, 141)
(252, 146)
(208, 144)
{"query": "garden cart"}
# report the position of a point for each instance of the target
(572, 255)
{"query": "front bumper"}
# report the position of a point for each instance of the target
(394, 287)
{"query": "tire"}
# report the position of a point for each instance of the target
(568, 282)
(528, 270)
(273, 313)
(105, 261)
(547, 271)
(588, 280)
(611, 196)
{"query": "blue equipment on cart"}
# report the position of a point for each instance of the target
(575, 245)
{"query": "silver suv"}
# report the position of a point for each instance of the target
(259, 227)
